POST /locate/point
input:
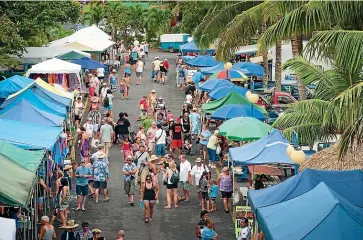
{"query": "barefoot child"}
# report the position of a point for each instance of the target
(123, 88)
(213, 195)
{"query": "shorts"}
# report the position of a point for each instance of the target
(185, 185)
(171, 186)
(95, 127)
(198, 188)
(203, 147)
(134, 61)
(213, 200)
(212, 153)
(106, 144)
(129, 187)
(156, 72)
(39, 199)
(144, 173)
(100, 184)
(77, 117)
(122, 91)
(82, 190)
(226, 194)
(177, 143)
(138, 74)
(109, 107)
(205, 196)
(160, 150)
(151, 146)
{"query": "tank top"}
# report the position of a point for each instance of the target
(128, 70)
(48, 235)
(149, 193)
(113, 80)
(226, 184)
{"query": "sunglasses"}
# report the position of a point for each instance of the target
(148, 179)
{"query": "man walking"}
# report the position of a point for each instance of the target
(176, 135)
(82, 174)
(129, 170)
(100, 148)
(197, 172)
(101, 176)
(156, 67)
(122, 128)
(185, 176)
(107, 135)
(160, 138)
(142, 159)
(139, 71)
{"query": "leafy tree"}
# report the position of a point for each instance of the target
(95, 14)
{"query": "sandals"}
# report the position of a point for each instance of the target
(146, 220)
(107, 199)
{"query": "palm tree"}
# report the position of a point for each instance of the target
(95, 14)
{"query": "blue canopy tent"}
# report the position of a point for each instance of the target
(249, 68)
(13, 84)
(25, 112)
(214, 83)
(220, 67)
(320, 213)
(237, 110)
(202, 61)
(267, 150)
(345, 183)
(87, 63)
(223, 91)
(57, 99)
(29, 136)
(192, 47)
(35, 100)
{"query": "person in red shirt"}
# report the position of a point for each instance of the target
(166, 66)
(143, 105)
(176, 135)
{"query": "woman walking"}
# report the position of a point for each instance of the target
(172, 178)
(78, 111)
(108, 108)
(84, 144)
(64, 202)
(226, 187)
(149, 195)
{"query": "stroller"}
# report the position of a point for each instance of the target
(188, 144)
(160, 107)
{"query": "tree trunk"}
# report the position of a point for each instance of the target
(264, 60)
(296, 47)
(278, 66)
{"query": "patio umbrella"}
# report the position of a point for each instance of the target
(224, 90)
(249, 68)
(233, 75)
(244, 129)
(237, 110)
(214, 83)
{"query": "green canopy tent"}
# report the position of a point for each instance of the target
(17, 183)
(232, 98)
(30, 160)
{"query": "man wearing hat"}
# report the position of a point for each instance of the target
(101, 176)
(197, 172)
(103, 91)
(85, 233)
(129, 170)
(69, 233)
(100, 148)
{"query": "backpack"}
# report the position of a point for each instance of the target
(106, 102)
(174, 179)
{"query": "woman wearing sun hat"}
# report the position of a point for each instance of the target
(69, 233)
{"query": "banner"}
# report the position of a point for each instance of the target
(242, 212)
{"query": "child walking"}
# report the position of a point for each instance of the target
(123, 88)
(126, 148)
(213, 195)
(203, 184)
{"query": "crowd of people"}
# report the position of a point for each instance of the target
(160, 154)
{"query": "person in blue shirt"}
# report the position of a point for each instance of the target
(197, 77)
(82, 174)
(213, 195)
(208, 233)
(203, 140)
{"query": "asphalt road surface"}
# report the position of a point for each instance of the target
(168, 224)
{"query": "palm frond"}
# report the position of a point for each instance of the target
(352, 136)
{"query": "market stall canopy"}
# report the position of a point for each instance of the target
(29, 136)
(328, 159)
(222, 91)
(220, 67)
(25, 112)
(192, 47)
(320, 213)
(17, 183)
(79, 46)
(270, 149)
(55, 65)
(30, 160)
(232, 75)
(202, 61)
(249, 68)
(344, 183)
(87, 63)
(244, 129)
(97, 43)
(35, 100)
(232, 98)
(50, 96)
(13, 84)
(237, 110)
(211, 84)
(55, 89)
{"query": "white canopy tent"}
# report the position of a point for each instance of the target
(55, 65)
(7, 229)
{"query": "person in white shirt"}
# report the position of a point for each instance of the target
(156, 67)
(185, 176)
(139, 71)
(212, 148)
(136, 42)
(245, 233)
(189, 98)
(89, 128)
(101, 73)
(160, 139)
(197, 172)
(103, 91)
(146, 50)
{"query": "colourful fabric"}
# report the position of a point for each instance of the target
(100, 170)
(226, 184)
(128, 167)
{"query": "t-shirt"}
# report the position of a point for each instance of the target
(150, 134)
(212, 142)
(82, 181)
(203, 184)
(185, 168)
(147, 123)
(160, 136)
(89, 128)
(177, 131)
(214, 191)
(197, 172)
(156, 64)
(110, 98)
(208, 234)
(244, 233)
(206, 135)
(189, 99)
(143, 103)
(142, 158)
(106, 132)
(122, 126)
(135, 54)
(186, 125)
(100, 72)
(139, 66)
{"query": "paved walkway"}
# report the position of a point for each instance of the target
(173, 224)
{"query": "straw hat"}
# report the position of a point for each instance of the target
(198, 160)
(101, 155)
(153, 158)
(328, 159)
(71, 224)
(67, 167)
(96, 230)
